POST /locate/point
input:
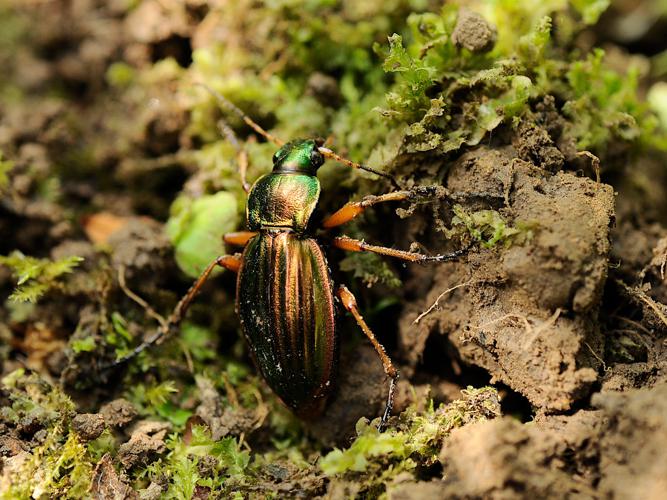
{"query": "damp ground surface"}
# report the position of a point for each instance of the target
(534, 365)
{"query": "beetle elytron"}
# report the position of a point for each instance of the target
(284, 291)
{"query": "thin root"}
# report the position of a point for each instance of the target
(436, 303)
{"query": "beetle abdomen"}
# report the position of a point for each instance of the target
(285, 303)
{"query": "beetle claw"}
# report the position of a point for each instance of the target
(390, 403)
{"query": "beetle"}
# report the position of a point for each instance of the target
(285, 296)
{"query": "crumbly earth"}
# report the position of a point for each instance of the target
(101, 144)
(526, 314)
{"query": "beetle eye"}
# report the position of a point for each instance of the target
(316, 158)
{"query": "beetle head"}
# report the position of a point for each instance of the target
(300, 156)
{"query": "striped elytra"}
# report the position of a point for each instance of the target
(285, 304)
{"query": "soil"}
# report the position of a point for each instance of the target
(570, 325)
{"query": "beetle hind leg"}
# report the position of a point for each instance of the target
(230, 262)
(350, 304)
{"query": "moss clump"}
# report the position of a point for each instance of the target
(36, 276)
(374, 459)
(489, 228)
(450, 97)
(61, 465)
(197, 463)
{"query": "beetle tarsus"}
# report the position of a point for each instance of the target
(446, 257)
(390, 402)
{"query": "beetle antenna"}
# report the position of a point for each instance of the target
(229, 106)
(327, 153)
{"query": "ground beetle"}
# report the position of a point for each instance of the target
(284, 291)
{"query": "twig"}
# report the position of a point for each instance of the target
(633, 323)
(149, 310)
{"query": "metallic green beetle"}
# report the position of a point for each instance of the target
(284, 293)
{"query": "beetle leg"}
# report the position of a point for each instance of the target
(350, 303)
(239, 239)
(352, 245)
(231, 262)
(353, 208)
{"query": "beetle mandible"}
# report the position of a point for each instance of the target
(284, 290)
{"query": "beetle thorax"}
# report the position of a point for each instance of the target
(282, 201)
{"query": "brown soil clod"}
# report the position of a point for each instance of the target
(88, 426)
(633, 463)
(473, 32)
(145, 444)
(106, 485)
(528, 313)
(118, 413)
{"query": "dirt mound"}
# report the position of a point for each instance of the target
(527, 313)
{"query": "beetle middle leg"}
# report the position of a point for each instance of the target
(350, 304)
(231, 262)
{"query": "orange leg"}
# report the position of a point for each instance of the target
(352, 245)
(350, 210)
(231, 262)
(239, 239)
(350, 304)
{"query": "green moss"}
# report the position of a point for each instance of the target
(375, 458)
(35, 276)
(603, 105)
(490, 228)
(61, 466)
(225, 459)
(86, 344)
(450, 97)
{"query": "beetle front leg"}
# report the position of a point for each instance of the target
(353, 208)
(350, 303)
(231, 262)
(352, 245)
